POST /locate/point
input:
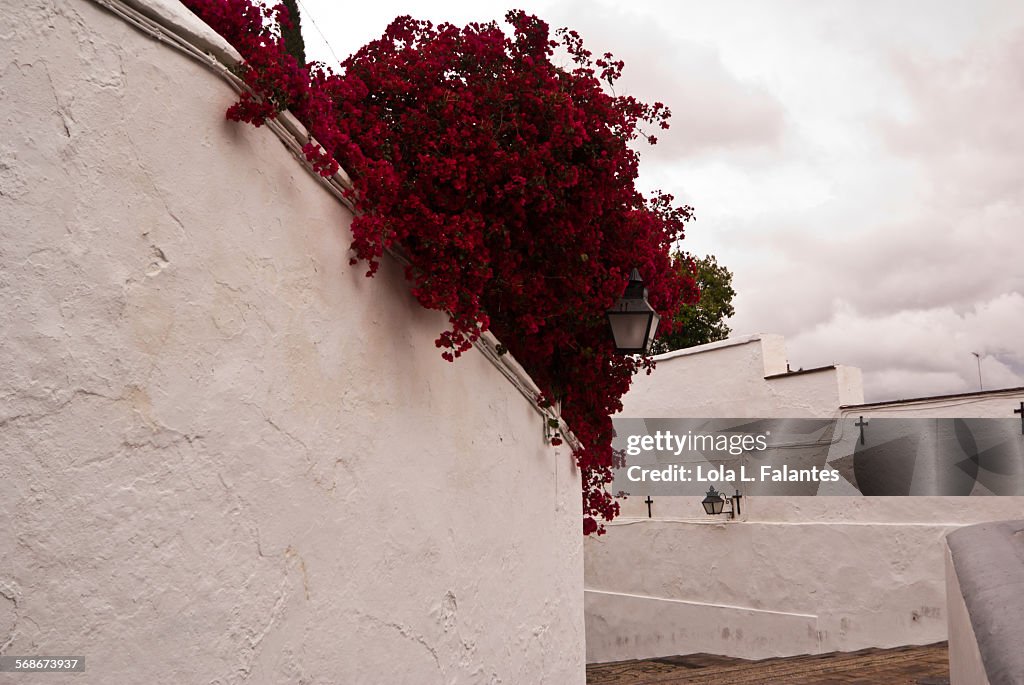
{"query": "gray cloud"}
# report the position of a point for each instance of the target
(924, 351)
(966, 121)
(908, 288)
(712, 109)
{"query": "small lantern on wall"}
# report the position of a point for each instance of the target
(714, 504)
(633, 321)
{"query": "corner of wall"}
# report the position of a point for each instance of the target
(851, 385)
(773, 353)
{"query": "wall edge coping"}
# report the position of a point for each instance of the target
(989, 562)
(709, 347)
(982, 394)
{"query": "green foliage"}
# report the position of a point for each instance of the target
(292, 35)
(703, 322)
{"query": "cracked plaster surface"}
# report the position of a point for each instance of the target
(225, 455)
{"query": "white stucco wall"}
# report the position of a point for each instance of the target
(225, 455)
(727, 379)
(790, 575)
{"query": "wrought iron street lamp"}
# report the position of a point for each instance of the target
(633, 321)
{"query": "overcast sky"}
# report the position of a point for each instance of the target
(858, 165)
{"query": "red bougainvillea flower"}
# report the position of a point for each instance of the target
(505, 180)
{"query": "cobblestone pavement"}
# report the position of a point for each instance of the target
(916, 665)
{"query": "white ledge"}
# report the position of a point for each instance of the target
(708, 347)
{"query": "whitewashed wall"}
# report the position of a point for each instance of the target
(225, 455)
(790, 576)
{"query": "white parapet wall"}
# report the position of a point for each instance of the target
(790, 575)
(965, 664)
(225, 455)
(985, 582)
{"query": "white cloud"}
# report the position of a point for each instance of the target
(922, 351)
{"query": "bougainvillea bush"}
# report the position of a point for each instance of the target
(500, 166)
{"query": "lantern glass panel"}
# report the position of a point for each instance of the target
(629, 329)
(713, 504)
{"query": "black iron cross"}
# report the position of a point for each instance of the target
(648, 502)
(860, 424)
(1021, 412)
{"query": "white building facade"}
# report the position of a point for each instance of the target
(798, 575)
